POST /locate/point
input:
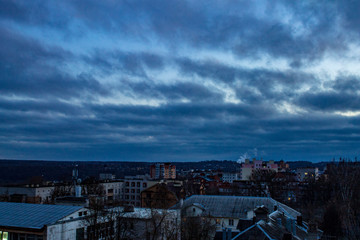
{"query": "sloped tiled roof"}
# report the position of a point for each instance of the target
(36, 216)
(234, 206)
(277, 226)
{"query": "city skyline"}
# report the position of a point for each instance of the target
(179, 80)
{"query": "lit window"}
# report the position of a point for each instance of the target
(5, 235)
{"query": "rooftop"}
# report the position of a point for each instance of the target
(235, 206)
(35, 216)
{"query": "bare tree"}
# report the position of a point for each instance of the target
(262, 184)
(198, 227)
(95, 219)
(163, 224)
(111, 223)
(346, 186)
(61, 191)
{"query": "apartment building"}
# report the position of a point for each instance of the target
(133, 186)
(163, 171)
(248, 167)
(230, 177)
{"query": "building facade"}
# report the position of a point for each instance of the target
(133, 186)
(163, 171)
(248, 167)
(27, 193)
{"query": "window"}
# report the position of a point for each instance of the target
(132, 190)
(138, 184)
(80, 234)
(144, 185)
(231, 222)
(133, 184)
(5, 235)
(127, 184)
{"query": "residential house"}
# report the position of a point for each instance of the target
(39, 221)
(32, 193)
(158, 196)
(230, 211)
(280, 226)
(22, 221)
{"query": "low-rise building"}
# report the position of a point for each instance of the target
(106, 176)
(113, 190)
(230, 211)
(158, 196)
(230, 177)
(27, 193)
(280, 226)
(39, 221)
(20, 221)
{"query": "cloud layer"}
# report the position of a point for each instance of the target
(179, 80)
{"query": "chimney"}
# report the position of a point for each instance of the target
(290, 225)
(229, 235)
(299, 220)
(224, 234)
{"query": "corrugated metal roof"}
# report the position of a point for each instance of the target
(234, 206)
(35, 216)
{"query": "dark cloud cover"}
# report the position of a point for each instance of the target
(179, 80)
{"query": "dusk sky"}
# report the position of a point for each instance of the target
(179, 80)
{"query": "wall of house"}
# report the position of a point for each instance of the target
(225, 222)
(113, 190)
(66, 229)
(193, 211)
(133, 189)
(18, 190)
(44, 193)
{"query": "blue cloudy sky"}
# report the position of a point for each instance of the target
(179, 80)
